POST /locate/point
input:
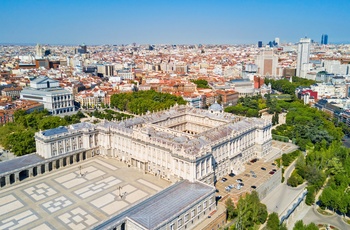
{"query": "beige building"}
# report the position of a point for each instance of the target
(267, 61)
(179, 143)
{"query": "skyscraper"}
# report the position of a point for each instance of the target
(303, 56)
(259, 44)
(324, 39)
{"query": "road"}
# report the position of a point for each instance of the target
(310, 214)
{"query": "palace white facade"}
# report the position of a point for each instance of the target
(180, 143)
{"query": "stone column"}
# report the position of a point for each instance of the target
(46, 167)
(16, 177)
(31, 172)
(7, 179)
(38, 169)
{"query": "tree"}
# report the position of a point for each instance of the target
(273, 222)
(230, 209)
(299, 225)
(295, 179)
(335, 166)
(310, 196)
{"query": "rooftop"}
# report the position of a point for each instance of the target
(55, 131)
(19, 162)
(154, 211)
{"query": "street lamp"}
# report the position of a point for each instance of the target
(121, 195)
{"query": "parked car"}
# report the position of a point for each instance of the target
(254, 175)
(274, 170)
(253, 187)
(271, 172)
(224, 179)
(239, 180)
(254, 160)
(262, 168)
(232, 174)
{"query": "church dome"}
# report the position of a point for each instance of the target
(215, 107)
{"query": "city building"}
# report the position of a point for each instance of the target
(259, 44)
(179, 143)
(267, 61)
(82, 49)
(324, 39)
(303, 58)
(48, 92)
(13, 92)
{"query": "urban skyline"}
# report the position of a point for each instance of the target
(162, 22)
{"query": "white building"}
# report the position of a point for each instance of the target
(48, 92)
(179, 143)
(303, 57)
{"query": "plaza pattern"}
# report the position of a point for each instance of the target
(75, 197)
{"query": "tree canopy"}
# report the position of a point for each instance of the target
(202, 84)
(248, 106)
(142, 102)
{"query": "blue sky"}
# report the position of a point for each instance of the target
(172, 21)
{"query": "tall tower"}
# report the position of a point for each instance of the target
(38, 51)
(324, 39)
(303, 56)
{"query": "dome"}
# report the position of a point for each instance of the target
(215, 107)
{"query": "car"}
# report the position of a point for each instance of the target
(271, 172)
(241, 184)
(216, 190)
(252, 172)
(228, 189)
(224, 179)
(232, 174)
(218, 197)
(247, 175)
(238, 187)
(262, 168)
(254, 160)
(230, 186)
(273, 164)
(254, 175)
(239, 180)
(253, 187)
(274, 170)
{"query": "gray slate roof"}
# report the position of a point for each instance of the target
(19, 162)
(51, 132)
(157, 210)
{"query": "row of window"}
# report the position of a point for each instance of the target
(193, 213)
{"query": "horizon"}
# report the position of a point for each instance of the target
(163, 22)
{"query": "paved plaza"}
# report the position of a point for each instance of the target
(77, 196)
